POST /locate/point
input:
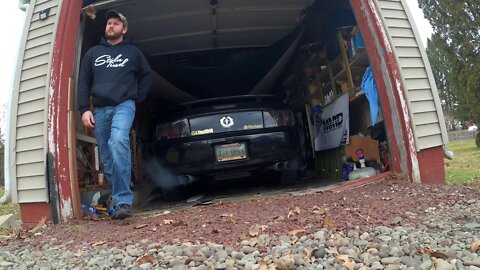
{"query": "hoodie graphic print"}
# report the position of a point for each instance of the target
(112, 74)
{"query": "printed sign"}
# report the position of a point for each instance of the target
(332, 125)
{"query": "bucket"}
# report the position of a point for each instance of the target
(362, 173)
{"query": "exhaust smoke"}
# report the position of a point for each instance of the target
(161, 176)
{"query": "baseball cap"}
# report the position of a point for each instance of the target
(114, 14)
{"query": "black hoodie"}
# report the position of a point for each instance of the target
(112, 74)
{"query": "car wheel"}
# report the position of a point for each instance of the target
(175, 194)
(288, 177)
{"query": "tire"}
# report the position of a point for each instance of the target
(172, 195)
(288, 177)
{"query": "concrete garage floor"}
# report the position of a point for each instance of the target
(238, 190)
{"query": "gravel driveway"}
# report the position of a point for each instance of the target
(390, 224)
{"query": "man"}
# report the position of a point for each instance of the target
(117, 76)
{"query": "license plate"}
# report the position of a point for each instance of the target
(229, 152)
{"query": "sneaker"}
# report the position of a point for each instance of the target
(121, 212)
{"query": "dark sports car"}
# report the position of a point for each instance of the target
(234, 137)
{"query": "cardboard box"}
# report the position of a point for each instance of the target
(343, 86)
(357, 42)
(367, 144)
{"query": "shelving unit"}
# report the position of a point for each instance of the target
(341, 74)
(347, 73)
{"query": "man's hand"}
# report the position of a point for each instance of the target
(87, 119)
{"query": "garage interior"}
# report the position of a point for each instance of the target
(308, 53)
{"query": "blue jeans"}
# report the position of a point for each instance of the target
(112, 131)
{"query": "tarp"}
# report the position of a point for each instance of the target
(370, 88)
(332, 125)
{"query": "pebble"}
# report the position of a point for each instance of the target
(437, 229)
(391, 260)
(319, 252)
(220, 266)
(6, 264)
(443, 265)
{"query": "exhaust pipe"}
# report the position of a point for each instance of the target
(279, 166)
(186, 179)
(285, 165)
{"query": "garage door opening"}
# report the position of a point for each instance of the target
(263, 89)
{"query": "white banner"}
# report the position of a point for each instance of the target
(332, 125)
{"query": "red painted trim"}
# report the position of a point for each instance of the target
(62, 69)
(33, 213)
(362, 182)
(383, 62)
(432, 165)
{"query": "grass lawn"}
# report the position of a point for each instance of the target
(464, 169)
(9, 208)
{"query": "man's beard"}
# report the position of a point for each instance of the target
(114, 36)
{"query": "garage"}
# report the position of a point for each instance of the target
(307, 54)
(353, 76)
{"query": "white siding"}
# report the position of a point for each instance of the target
(29, 104)
(422, 94)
